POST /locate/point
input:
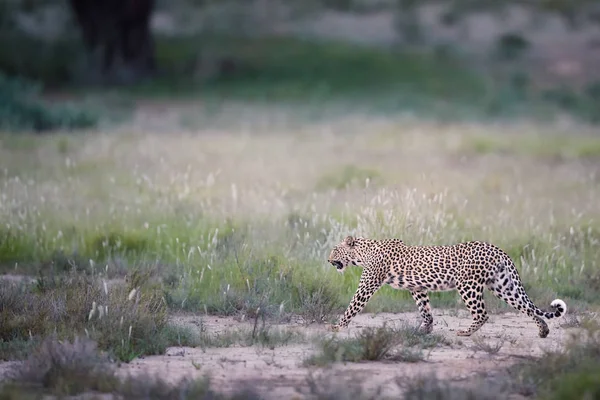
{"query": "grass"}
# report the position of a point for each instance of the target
(126, 321)
(544, 146)
(235, 224)
(287, 68)
(376, 344)
(67, 368)
(348, 176)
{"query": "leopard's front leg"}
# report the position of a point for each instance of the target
(367, 287)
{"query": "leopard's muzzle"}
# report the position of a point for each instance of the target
(337, 264)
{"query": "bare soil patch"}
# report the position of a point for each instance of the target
(279, 372)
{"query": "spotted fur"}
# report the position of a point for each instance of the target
(467, 267)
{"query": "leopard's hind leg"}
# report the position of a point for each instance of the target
(471, 293)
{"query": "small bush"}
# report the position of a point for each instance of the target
(408, 355)
(21, 110)
(374, 344)
(413, 337)
(479, 344)
(66, 368)
(317, 302)
(336, 350)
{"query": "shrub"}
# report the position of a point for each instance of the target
(67, 367)
(128, 321)
(374, 344)
(317, 302)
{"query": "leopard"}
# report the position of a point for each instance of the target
(467, 267)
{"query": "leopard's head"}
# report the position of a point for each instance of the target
(346, 253)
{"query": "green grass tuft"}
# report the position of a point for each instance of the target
(112, 244)
(375, 344)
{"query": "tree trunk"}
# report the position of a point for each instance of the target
(117, 36)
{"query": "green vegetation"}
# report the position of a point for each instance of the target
(219, 244)
(22, 110)
(375, 344)
(127, 320)
(545, 146)
(271, 70)
(287, 70)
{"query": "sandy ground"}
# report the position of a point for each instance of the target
(278, 373)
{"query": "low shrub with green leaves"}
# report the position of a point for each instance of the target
(403, 344)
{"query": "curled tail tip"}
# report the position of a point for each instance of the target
(560, 307)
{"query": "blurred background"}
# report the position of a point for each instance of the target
(444, 59)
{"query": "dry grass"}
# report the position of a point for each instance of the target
(126, 320)
(489, 347)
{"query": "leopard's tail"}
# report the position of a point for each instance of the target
(559, 307)
(507, 286)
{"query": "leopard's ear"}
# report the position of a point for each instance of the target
(349, 241)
